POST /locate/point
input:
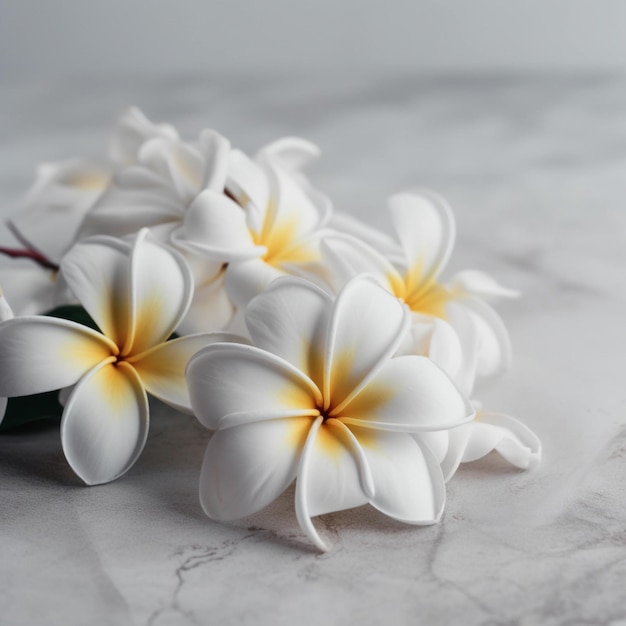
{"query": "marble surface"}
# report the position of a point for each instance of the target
(535, 170)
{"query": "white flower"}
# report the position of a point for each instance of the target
(137, 294)
(269, 225)
(52, 211)
(319, 397)
(488, 431)
(426, 230)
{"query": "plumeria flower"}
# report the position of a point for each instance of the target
(136, 293)
(5, 314)
(170, 177)
(318, 397)
(426, 231)
(52, 211)
(488, 431)
(268, 225)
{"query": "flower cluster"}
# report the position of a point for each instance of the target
(315, 348)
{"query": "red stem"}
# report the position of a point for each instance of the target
(37, 257)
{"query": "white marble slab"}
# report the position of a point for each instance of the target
(536, 172)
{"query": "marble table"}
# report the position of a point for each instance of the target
(535, 170)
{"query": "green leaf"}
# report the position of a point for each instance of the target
(74, 313)
(28, 409)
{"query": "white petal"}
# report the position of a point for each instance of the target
(247, 181)
(290, 319)
(381, 242)
(292, 153)
(494, 344)
(426, 229)
(408, 482)
(105, 423)
(226, 379)
(247, 279)
(367, 327)
(50, 215)
(5, 310)
(30, 288)
(136, 198)
(97, 272)
(505, 434)
(480, 284)
(162, 369)
(132, 129)
(216, 152)
(329, 477)
(215, 227)
(161, 292)
(293, 214)
(40, 354)
(457, 442)
(461, 320)
(180, 163)
(3, 408)
(211, 308)
(247, 467)
(348, 257)
(408, 394)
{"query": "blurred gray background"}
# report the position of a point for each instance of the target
(47, 38)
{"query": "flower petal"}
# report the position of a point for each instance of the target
(292, 153)
(215, 149)
(31, 289)
(226, 379)
(290, 319)
(426, 229)
(329, 477)
(293, 212)
(348, 257)
(136, 198)
(105, 423)
(480, 284)
(215, 227)
(409, 394)
(161, 292)
(457, 442)
(505, 434)
(381, 242)
(131, 131)
(494, 344)
(408, 482)
(51, 213)
(367, 327)
(39, 354)
(162, 369)
(177, 162)
(96, 271)
(247, 279)
(5, 310)
(3, 408)
(211, 308)
(247, 467)
(247, 181)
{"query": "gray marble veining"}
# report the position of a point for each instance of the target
(535, 170)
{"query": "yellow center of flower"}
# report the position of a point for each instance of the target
(422, 296)
(281, 238)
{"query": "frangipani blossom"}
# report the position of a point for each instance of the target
(426, 230)
(136, 293)
(319, 398)
(268, 225)
(51, 213)
(487, 431)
